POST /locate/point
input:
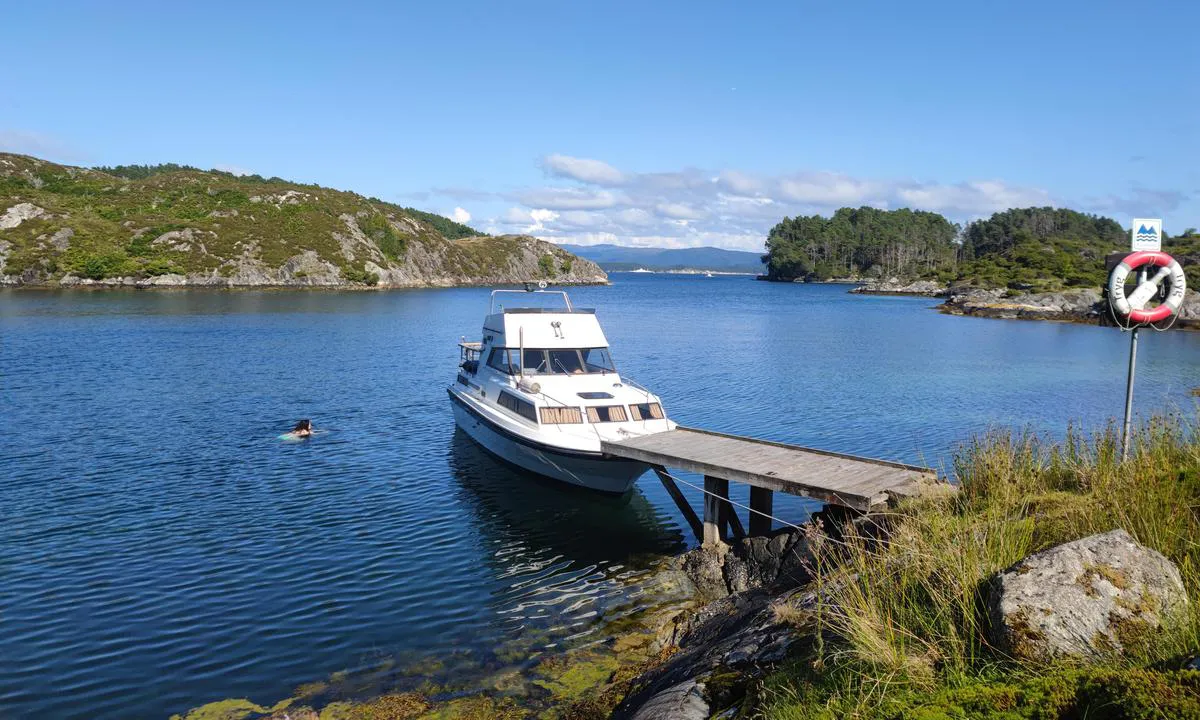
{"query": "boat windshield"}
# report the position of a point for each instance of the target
(553, 361)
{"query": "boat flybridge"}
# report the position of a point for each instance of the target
(540, 391)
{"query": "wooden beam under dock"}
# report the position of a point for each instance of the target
(859, 483)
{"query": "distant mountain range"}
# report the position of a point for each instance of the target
(617, 258)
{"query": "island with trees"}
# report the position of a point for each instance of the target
(1038, 262)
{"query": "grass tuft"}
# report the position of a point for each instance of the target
(904, 618)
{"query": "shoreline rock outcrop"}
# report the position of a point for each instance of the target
(1081, 305)
(896, 286)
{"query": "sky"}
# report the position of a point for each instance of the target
(666, 124)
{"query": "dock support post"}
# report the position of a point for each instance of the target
(716, 493)
(761, 501)
(734, 523)
(680, 501)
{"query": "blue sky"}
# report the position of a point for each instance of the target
(668, 124)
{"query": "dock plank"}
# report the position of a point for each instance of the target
(857, 482)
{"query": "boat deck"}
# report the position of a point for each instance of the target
(863, 484)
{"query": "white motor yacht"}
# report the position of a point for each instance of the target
(541, 392)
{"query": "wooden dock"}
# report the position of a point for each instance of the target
(862, 484)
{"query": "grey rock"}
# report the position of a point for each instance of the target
(1085, 599)
(739, 633)
(684, 701)
(895, 286)
(19, 213)
(61, 240)
(746, 564)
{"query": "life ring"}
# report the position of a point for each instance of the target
(1131, 307)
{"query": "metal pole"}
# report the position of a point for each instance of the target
(1129, 396)
(1141, 276)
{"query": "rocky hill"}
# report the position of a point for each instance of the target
(178, 226)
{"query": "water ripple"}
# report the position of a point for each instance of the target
(161, 548)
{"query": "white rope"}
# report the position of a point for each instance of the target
(729, 500)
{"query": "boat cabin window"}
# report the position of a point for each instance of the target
(552, 362)
(536, 362)
(566, 362)
(606, 413)
(646, 411)
(522, 407)
(499, 359)
(597, 360)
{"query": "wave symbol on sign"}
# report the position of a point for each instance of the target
(1145, 233)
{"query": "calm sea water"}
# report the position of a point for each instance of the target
(160, 547)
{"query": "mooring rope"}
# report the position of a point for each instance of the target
(731, 501)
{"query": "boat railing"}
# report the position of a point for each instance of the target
(625, 379)
(561, 293)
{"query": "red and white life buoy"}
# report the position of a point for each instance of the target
(1133, 306)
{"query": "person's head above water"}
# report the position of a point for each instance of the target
(304, 427)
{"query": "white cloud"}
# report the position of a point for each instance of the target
(460, 215)
(970, 198)
(594, 172)
(679, 211)
(739, 183)
(516, 216)
(561, 198)
(825, 189)
(729, 208)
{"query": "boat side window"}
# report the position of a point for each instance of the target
(646, 411)
(536, 362)
(565, 362)
(524, 408)
(606, 413)
(561, 416)
(597, 360)
(498, 359)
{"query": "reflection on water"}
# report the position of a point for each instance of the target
(564, 554)
(161, 548)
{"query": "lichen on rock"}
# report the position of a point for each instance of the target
(1101, 595)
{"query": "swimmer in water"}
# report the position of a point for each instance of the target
(303, 429)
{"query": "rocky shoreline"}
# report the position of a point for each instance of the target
(1079, 305)
(756, 608)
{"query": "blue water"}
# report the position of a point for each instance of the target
(160, 547)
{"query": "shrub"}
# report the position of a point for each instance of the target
(101, 265)
(546, 265)
(363, 276)
(378, 229)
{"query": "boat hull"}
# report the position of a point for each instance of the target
(586, 470)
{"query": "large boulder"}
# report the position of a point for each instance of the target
(1088, 598)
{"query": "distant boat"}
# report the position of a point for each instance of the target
(642, 270)
(707, 274)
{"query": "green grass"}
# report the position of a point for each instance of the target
(902, 627)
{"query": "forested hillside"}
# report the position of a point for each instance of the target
(1025, 249)
(177, 225)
